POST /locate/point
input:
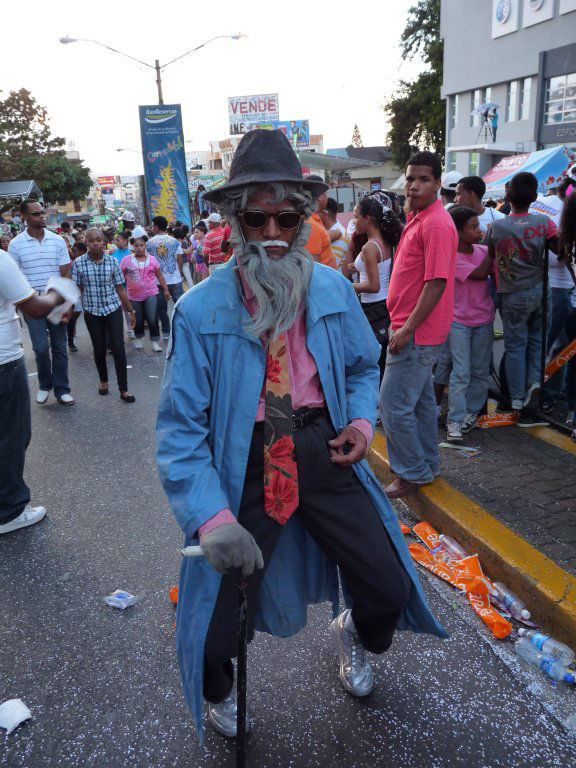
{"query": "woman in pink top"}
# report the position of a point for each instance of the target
(472, 332)
(142, 273)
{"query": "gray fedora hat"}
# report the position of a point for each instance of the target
(264, 156)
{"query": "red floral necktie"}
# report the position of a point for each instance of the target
(280, 470)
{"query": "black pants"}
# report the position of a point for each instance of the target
(108, 329)
(337, 512)
(379, 319)
(147, 310)
(71, 327)
(15, 434)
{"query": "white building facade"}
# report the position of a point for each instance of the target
(519, 54)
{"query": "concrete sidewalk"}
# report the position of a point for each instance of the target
(514, 504)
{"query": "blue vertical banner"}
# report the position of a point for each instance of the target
(165, 162)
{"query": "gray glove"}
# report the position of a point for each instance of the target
(231, 546)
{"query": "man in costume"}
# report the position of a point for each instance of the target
(267, 408)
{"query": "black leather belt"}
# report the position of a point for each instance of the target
(306, 416)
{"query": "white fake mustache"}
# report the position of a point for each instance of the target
(274, 244)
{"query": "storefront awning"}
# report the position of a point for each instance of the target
(548, 165)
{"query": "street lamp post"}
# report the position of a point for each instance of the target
(157, 67)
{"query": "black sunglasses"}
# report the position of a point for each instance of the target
(259, 219)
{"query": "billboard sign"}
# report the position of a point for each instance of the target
(244, 111)
(165, 161)
(296, 131)
(106, 181)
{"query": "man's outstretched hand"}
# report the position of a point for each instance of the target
(349, 447)
(231, 546)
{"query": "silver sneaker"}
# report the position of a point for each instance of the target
(28, 516)
(222, 716)
(355, 671)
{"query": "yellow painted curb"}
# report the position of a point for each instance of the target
(548, 590)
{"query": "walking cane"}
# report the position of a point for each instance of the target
(544, 329)
(242, 664)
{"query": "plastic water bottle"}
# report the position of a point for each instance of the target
(548, 646)
(452, 548)
(512, 603)
(551, 667)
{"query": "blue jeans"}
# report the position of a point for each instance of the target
(14, 438)
(471, 348)
(408, 412)
(52, 373)
(522, 321)
(176, 291)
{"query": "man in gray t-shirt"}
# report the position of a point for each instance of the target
(519, 242)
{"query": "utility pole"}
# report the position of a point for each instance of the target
(158, 81)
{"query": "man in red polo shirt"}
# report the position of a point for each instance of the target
(420, 302)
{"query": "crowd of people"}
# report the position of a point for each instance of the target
(293, 336)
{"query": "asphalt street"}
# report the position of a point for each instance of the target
(103, 685)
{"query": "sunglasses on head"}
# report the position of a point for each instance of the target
(259, 219)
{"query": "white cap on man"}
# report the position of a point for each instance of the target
(215, 218)
(127, 216)
(450, 180)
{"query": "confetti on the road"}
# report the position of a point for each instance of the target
(152, 376)
(35, 373)
(128, 366)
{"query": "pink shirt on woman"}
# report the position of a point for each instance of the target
(141, 280)
(473, 304)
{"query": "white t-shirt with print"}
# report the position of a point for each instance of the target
(487, 217)
(14, 288)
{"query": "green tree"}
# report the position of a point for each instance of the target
(59, 179)
(416, 112)
(29, 151)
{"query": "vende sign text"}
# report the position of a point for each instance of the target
(243, 110)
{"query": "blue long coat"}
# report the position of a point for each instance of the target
(208, 403)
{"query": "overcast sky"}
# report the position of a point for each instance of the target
(332, 63)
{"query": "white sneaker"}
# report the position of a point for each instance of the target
(138, 344)
(131, 334)
(156, 347)
(42, 396)
(65, 399)
(29, 516)
(454, 433)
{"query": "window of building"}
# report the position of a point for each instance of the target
(451, 161)
(473, 164)
(487, 94)
(511, 100)
(560, 100)
(453, 111)
(524, 100)
(475, 101)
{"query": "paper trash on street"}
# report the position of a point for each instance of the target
(12, 713)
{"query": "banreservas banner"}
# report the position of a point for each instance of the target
(165, 161)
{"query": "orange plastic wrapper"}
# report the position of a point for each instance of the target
(427, 534)
(463, 574)
(405, 529)
(500, 627)
(497, 420)
(174, 595)
(466, 575)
